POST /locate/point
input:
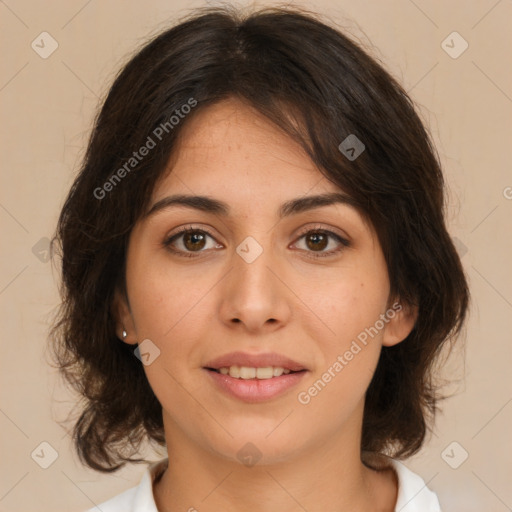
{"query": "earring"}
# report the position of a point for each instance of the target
(124, 334)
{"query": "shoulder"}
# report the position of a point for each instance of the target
(136, 499)
(413, 493)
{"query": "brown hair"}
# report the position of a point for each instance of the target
(319, 87)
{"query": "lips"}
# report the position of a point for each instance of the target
(255, 378)
(254, 361)
(255, 390)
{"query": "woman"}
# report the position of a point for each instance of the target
(257, 273)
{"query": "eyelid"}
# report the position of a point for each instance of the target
(185, 229)
(326, 229)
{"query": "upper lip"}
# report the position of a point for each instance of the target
(255, 361)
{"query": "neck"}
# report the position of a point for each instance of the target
(328, 476)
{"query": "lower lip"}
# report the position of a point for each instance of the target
(256, 390)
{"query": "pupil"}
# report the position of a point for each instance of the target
(197, 240)
(317, 237)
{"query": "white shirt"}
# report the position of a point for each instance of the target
(413, 493)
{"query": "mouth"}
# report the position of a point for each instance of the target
(254, 384)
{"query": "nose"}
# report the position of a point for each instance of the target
(254, 297)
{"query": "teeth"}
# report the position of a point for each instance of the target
(265, 373)
(245, 372)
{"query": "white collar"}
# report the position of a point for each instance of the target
(413, 493)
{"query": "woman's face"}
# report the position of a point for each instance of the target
(249, 286)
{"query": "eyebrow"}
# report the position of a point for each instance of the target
(292, 207)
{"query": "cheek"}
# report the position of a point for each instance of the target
(347, 305)
(349, 344)
(162, 301)
(349, 356)
(171, 310)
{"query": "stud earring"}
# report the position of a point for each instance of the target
(124, 334)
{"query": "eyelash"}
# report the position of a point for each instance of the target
(167, 243)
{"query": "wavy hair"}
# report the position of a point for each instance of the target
(318, 86)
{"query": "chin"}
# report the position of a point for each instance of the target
(261, 446)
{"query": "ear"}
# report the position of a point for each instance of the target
(123, 318)
(401, 319)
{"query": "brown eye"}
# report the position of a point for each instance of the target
(317, 241)
(194, 240)
(189, 241)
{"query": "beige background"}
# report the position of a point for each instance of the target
(47, 107)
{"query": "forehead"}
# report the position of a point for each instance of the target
(231, 147)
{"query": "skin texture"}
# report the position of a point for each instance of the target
(289, 300)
